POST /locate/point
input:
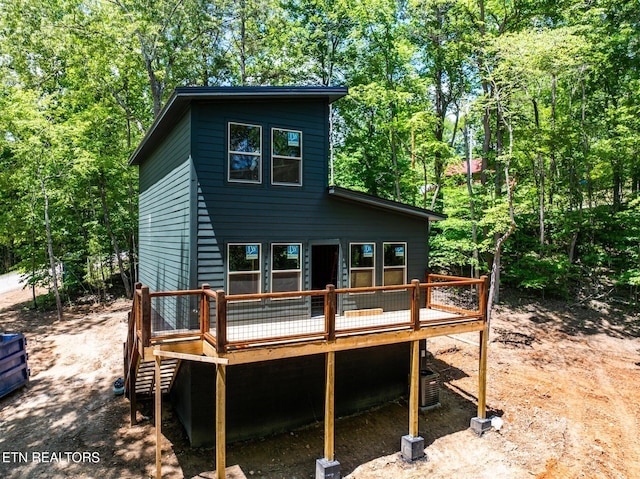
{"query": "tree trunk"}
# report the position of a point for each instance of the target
(498, 193)
(243, 43)
(114, 241)
(541, 201)
(552, 166)
(494, 286)
(541, 183)
(617, 185)
(52, 259)
(33, 248)
(394, 154)
(474, 230)
(572, 247)
(486, 117)
(133, 251)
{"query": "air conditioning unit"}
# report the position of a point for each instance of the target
(429, 389)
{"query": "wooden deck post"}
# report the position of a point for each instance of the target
(428, 293)
(133, 397)
(414, 391)
(415, 304)
(137, 313)
(221, 322)
(412, 445)
(205, 312)
(221, 433)
(480, 424)
(328, 466)
(158, 417)
(330, 312)
(146, 317)
(484, 342)
(482, 375)
(329, 407)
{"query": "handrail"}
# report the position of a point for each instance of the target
(280, 295)
(183, 292)
(130, 346)
(141, 311)
(449, 284)
(451, 278)
(373, 289)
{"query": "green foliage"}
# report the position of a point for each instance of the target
(550, 274)
(553, 87)
(452, 246)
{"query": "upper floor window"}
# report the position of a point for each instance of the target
(244, 276)
(286, 157)
(286, 265)
(245, 153)
(362, 265)
(395, 263)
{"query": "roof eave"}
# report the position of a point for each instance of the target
(374, 201)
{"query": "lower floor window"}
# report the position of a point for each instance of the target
(395, 263)
(286, 266)
(244, 266)
(243, 262)
(362, 265)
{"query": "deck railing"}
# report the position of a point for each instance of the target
(231, 322)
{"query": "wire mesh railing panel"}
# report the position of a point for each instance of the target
(252, 319)
(175, 314)
(461, 299)
(269, 318)
(377, 309)
(213, 310)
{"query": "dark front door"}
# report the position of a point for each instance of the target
(324, 271)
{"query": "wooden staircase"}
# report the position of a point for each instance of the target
(145, 379)
(139, 374)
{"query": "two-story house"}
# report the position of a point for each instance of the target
(234, 193)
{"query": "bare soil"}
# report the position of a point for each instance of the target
(562, 377)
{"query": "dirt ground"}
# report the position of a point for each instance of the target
(562, 377)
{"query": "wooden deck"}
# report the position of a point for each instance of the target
(263, 337)
(255, 331)
(258, 332)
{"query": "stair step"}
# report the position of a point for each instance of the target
(145, 383)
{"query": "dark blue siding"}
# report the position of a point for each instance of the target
(219, 212)
(264, 213)
(165, 219)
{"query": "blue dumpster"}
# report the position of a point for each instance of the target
(14, 371)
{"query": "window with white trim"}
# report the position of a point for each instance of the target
(362, 263)
(243, 268)
(286, 267)
(245, 153)
(395, 264)
(286, 157)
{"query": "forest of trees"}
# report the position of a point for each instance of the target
(543, 96)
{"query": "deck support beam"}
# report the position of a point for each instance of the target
(480, 424)
(328, 467)
(158, 417)
(221, 432)
(482, 375)
(221, 381)
(412, 445)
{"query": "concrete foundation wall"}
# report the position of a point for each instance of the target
(274, 396)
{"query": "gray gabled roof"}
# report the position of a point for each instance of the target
(182, 97)
(376, 202)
